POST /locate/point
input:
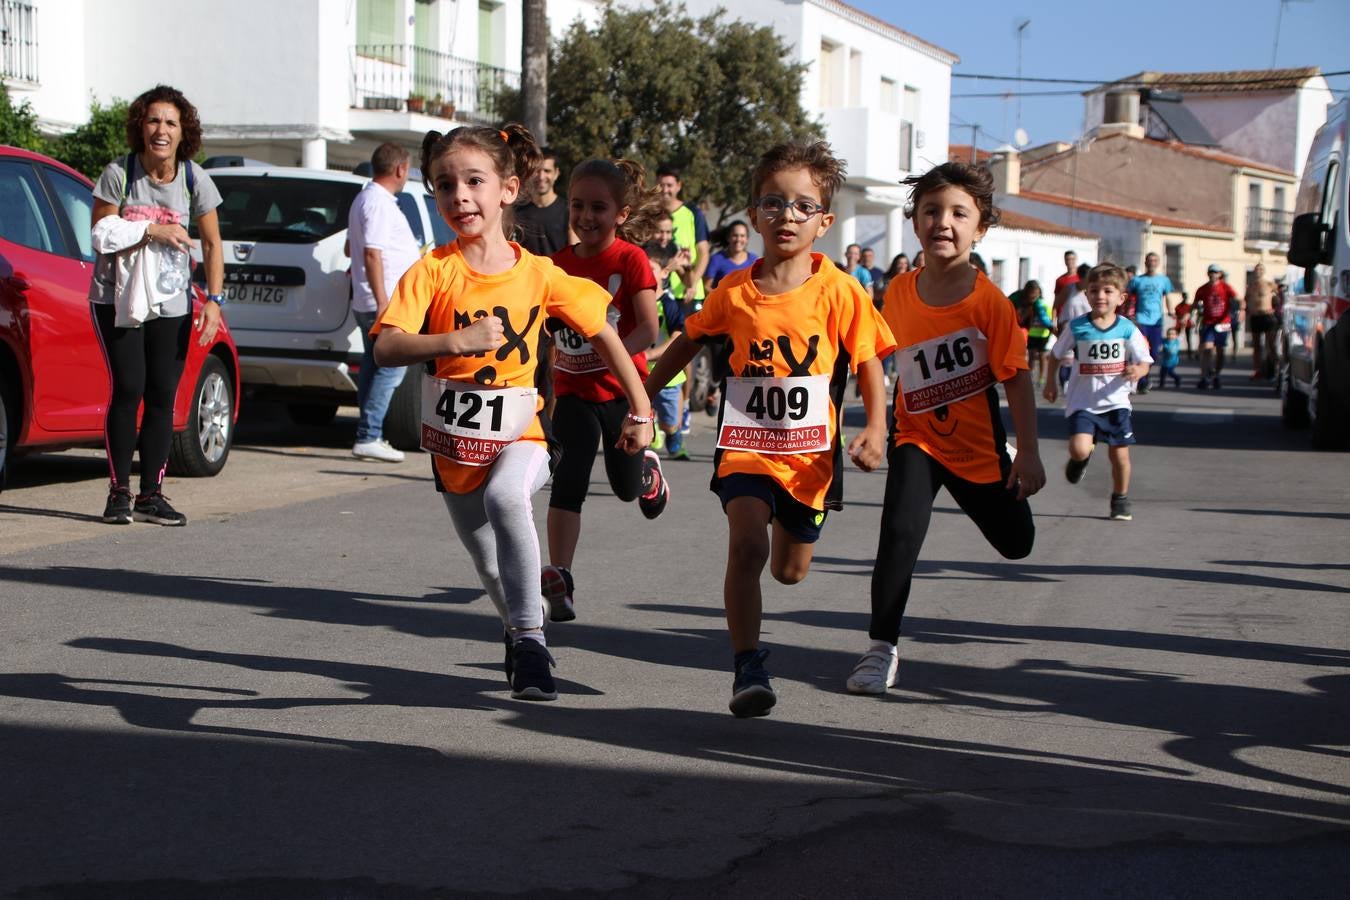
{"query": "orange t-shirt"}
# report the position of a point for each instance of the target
(441, 292)
(801, 332)
(950, 359)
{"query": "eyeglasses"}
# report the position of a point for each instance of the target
(775, 206)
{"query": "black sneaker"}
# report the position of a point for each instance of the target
(530, 676)
(1218, 384)
(510, 665)
(1120, 508)
(1143, 387)
(655, 491)
(751, 693)
(1074, 468)
(155, 508)
(556, 583)
(117, 511)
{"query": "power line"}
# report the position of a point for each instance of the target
(1120, 82)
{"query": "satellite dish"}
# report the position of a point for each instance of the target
(1020, 138)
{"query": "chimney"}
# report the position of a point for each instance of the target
(1120, 114)
(1006, 167)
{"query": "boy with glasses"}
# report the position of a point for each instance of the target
(779, 456)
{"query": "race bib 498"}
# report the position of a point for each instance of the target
(1105, 357)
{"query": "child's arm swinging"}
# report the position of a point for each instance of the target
(674, 358)
(1028, 474)
(635, 435)
(396, 347)
(869, 447)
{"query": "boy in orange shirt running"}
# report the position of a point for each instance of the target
(794, 321)
(960, 339)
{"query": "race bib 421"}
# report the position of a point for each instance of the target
(471, 423)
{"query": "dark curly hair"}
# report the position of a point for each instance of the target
(188, 122)
(827, 170)
(974, 180)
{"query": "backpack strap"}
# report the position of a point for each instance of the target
(128, 173)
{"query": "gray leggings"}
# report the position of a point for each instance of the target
(496, 525)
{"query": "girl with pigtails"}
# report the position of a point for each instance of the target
(473, 309)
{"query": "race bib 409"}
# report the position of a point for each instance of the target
(777, 415)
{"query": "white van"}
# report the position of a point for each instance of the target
(1315, 356)
(288, 293)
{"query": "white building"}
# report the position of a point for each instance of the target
(884, 98)
(1268, 115)
(318, 83)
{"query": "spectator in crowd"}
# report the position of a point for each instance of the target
(542, 220)
(1064, 284)
(142, 205)
(852, 264)
(382, 248)
(1151, 292)
(869, 261)
(734, 257)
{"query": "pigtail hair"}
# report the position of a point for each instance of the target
(526, 156)
(644, 204)
(429, 154)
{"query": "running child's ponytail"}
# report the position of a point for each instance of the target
(512, 149)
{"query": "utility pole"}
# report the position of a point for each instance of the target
(534, 63)
(1021, 33)
(1279, 20)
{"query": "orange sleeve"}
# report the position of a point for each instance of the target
(711, 320)
(865, 334)
(579, 302)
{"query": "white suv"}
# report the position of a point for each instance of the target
(288, 292)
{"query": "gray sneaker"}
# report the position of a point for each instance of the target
(1120, 508)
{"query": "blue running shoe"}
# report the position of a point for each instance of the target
(687, 421)
(531, 678)
(751, 693)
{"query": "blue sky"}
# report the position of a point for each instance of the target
(1105, 40)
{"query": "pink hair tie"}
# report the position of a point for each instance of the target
(505, 139)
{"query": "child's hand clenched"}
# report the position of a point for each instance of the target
(483, 335)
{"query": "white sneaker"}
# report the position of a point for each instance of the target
(380, 450)
(874, 672)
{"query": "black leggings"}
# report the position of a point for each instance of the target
(145, 364)
(912, 483)
(580, 426)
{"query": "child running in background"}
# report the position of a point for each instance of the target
(960, 340)
(484, 300)
(1110, 357)
(609, 205)
(793, 320)
(1168, 359)
(668, 403)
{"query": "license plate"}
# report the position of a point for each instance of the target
(264, 295)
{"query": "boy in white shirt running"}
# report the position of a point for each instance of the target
(1110, 357)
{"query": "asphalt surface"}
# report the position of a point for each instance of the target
(300, 694)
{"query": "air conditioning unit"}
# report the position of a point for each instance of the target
(920, 139)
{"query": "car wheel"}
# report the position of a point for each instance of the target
(202, 448)
(403, 421)
(700, 382)
(1293, 404)
(9, 425)
(312, 414)
(1328, 424)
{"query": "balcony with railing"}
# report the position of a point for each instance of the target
(402, 77)
(18, 41)
(1268, 226)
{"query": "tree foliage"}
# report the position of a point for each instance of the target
(657, 86)
(90, 146)
(18, 124)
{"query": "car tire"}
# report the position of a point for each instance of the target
(1328, 422)
(701, 380)
(314, 415)
(9, 424)
(403, 421)
(202, 449)
(1293, 404)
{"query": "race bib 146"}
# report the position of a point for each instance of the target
(944, 369)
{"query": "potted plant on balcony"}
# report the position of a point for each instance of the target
(416, 102)
(440, 107)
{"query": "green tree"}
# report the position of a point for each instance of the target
(657, 86)
(18, 124)
(103, 138)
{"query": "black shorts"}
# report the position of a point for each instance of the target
(797, 519)
(1262, 323)
(1115, 426)
(1037, 343)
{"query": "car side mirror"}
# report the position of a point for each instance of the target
(1306, 241)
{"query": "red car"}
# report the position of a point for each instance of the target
(54, 384)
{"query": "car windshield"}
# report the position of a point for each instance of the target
(282, 210)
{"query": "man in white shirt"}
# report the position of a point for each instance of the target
(382, 249)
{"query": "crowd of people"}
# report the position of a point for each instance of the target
(554, 328)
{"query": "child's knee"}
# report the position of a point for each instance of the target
(748, 552)
(1018, 545)
(790, 571)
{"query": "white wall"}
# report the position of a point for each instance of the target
(1122, 240)
(61, 99)
(1046, 252)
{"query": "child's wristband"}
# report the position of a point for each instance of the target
(639, 420)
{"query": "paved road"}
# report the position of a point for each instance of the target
(299, 695)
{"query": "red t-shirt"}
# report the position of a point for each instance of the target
(1214, 301)
(1067, 280)
(623, 270)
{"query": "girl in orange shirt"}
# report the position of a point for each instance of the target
(959, 339)
(474, 309)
